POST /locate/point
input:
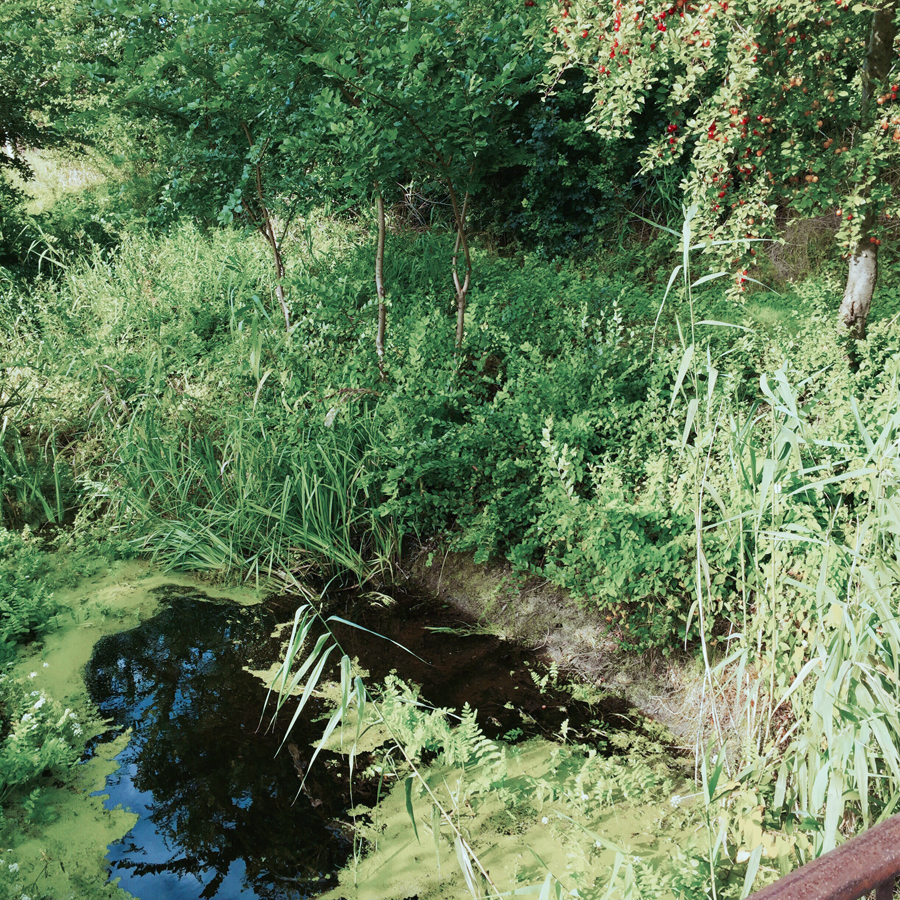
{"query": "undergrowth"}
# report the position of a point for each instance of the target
(703, 472)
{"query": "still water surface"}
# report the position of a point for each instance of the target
(218, 817)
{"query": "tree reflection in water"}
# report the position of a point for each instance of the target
(217, 817)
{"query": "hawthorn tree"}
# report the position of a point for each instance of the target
(766, 106)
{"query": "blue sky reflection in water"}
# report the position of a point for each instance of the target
(217, 817)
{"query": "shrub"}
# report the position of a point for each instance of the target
(36, 735)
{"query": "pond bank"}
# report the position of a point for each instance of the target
(465, 661)
(531, 611)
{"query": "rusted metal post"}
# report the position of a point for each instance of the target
(868, 862)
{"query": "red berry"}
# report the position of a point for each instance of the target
(584, 33)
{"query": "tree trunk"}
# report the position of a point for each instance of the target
(862, 274)
(462, 242)
(267, 228)
(279, 273)
(861, 280)
(379, 285)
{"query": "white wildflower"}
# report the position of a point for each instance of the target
(27, 717)
(544, 821)
(40, 703)
(13, 867)
(46, 665)
(777, 488)
(32, 674)
(584, 796)
(676, 800)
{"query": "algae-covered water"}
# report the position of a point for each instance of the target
(186, 794)
(215, 799)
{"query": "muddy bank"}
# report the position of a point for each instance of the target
(537, 614)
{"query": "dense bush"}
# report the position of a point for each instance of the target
(552, 438)
(571, 187)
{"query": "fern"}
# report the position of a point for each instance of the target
(26, 604)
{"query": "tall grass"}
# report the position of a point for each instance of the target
(245, 500)
(804, 703)
(35, 484)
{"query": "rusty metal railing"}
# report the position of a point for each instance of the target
(868, 862)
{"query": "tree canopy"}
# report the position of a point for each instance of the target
(764, 107)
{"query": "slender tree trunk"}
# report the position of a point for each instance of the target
(862, 274)
(279, 271)
(379, 284)
(462, 243)
(267, 228)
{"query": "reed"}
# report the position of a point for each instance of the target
(803, 704)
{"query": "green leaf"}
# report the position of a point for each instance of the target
(682, 371)
(465, 864)
(409, 808)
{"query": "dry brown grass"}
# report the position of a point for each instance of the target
(805, 244)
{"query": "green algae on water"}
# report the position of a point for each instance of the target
(525, 810)
(54, 832)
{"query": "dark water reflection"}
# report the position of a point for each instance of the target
(216, 805)
(217, 817)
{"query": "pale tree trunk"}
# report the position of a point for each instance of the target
(862, 274)
(379, 285)
(861, 279)
(462, 243)
(269, 233)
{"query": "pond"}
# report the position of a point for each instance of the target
(218, 806)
